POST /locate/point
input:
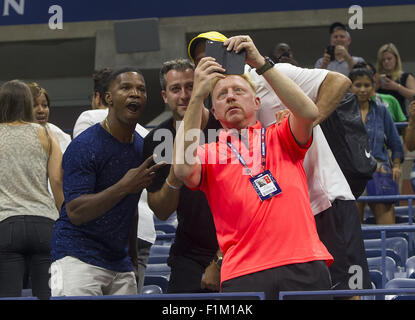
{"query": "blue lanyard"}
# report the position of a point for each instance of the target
(242, 160)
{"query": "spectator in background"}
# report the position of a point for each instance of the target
(339, 59)
(409, 138)
(393, 80)
(193, 252)
(380, 98)
(41, 107)
(282, 53)
(383, 136)
(146, 234)
(94, 240)
(29, 155)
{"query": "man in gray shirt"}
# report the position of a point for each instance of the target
(342, 61)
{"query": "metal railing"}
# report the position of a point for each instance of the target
(333, 293)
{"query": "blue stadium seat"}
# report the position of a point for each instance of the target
(376, 278)
(400, 283)
(158, 280)
(159, 250)
(158, 269)
(410, 267)
(157, 259)
(152, 289)
(27, 293)
(375, 263)
(164, 238)
(166, 227)
(398, 245)
(370, 253)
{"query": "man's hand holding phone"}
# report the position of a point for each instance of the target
(232, 62)
(245, 43)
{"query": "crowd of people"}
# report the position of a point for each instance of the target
(262, 205)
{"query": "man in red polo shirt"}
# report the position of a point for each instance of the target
(254, 180)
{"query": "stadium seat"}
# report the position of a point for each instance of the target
(159, 250)
(410, 267)
(157, 259)
(158, 280)
(376, 278)
(370, 253)
(400, 283)
(375, 263)
(164, 238)
(394, 245)
(158, 269)
(166, 227)
(27, 293)
(152, 289)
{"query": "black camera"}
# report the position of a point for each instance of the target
(330, 51)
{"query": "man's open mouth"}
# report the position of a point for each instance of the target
(134, 106)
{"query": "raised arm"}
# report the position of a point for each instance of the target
(304, 110)
(186, 163)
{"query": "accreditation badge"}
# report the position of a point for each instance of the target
(265, 185)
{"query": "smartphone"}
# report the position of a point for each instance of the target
(232, 62)
(330, 51)
(382, 78)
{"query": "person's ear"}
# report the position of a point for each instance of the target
(164, 96)
(108, 98)
(257, 103)
(214, 112)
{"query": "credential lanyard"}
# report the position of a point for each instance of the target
(241, 158)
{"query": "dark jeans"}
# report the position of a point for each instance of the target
(25, 242)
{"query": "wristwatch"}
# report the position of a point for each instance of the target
(268, 65)
(218, 261)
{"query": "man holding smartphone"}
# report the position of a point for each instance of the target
(269, 241)
(340, 41)
(332, 201)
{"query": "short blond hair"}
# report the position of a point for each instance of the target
(246, 76)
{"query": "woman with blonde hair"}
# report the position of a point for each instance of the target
(393, 80)
(29, 156)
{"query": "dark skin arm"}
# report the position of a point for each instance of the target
(89, 207)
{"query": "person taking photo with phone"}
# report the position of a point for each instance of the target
(336, 56)
(264, 246)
